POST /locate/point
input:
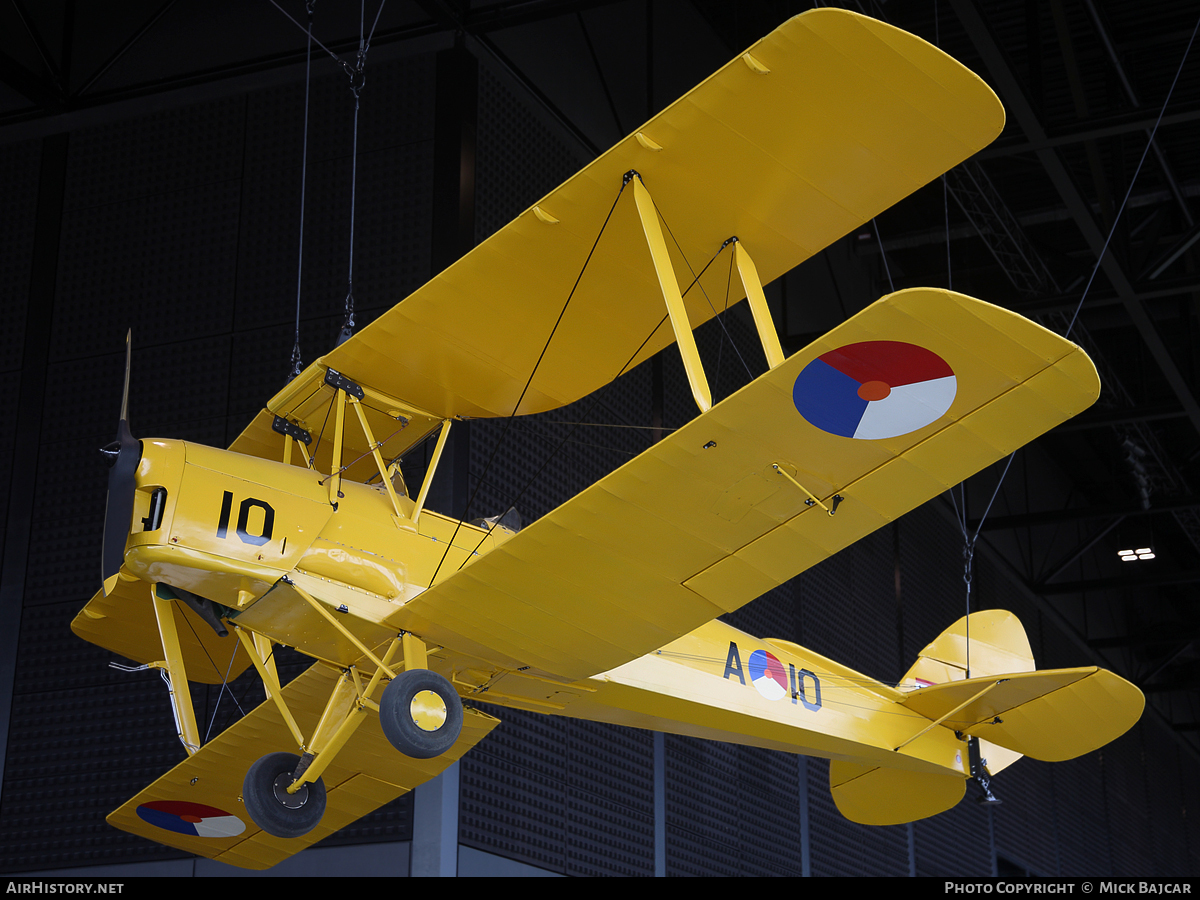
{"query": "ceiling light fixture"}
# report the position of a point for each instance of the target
(1133, 555)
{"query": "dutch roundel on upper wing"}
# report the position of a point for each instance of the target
(872, 390)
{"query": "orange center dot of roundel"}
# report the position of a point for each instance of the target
(188, 817)
(874, 390)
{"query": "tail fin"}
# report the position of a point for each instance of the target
(998, 646)
(1054, 714)
(882, 796)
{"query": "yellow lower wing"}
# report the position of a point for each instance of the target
(717, 513)
(197, 806)
(124, 623)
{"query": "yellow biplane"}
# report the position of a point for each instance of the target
(304, 534)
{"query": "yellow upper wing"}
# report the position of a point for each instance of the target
(823, 124)
(703, 522)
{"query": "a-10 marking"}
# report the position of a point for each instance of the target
(767, 676)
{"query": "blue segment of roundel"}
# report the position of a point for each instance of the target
(758, 665)
(166, 820)
(828, 399)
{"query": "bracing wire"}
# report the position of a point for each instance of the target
(309, 4)
(595, 400)
(696, 282)
(528, 382)
(886, 268)
(224, 688)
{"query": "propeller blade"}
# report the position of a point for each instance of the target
(123, 456)
(128, 361)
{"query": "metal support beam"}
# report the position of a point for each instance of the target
(454, 142)
(1164, 166)
(1022, 111)
(435, 826)
(1094, 128)
(1056, 516)
(1107, 418)
(1118, 584)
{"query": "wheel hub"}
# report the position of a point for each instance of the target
(428, 711)
(291, 801)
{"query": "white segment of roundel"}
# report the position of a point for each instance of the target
(769, 687)
(220, 826)
(907, 408)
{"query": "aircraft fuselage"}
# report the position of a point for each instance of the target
(230, 526)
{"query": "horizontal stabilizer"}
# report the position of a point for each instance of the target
(1051, 715)
(872, 795)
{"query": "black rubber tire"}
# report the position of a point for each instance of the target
(397, 722)
(262, 798)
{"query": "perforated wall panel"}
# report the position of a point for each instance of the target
(839, 846)
(184, 225)
(955, 842)
(19, 165)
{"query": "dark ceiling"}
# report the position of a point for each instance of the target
(1021, 225)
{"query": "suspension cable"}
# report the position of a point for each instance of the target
(296, 363)
(358, 80)
(1133, 181)
(969, 540)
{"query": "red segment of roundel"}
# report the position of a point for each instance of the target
(183, 808)
(893, 362)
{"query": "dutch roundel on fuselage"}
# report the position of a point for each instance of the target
(767, 674)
